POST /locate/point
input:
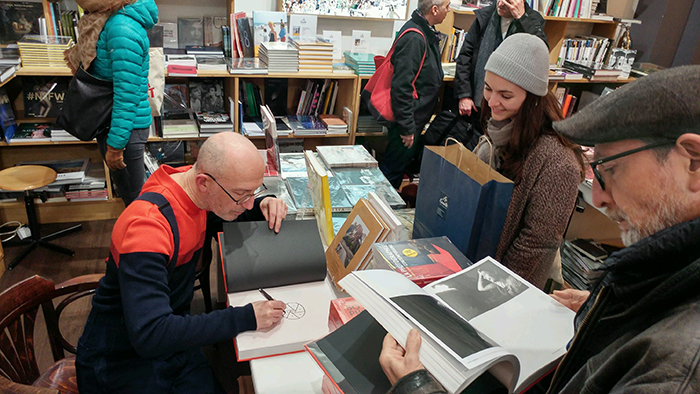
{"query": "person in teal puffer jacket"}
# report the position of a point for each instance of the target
(113, 45)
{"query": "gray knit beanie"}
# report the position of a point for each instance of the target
(522, 59)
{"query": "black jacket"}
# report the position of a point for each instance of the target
(412, 114)
(531, 22)
(639, 329)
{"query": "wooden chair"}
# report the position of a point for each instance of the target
(19, 372)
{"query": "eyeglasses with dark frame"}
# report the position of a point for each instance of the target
(259, 192)
(594, 164)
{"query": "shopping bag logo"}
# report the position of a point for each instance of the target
(443, 205)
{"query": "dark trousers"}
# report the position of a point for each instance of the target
(130, 179)
(397, 157)
(106, 363)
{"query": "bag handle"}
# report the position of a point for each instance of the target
(459, 162)
(391, 52)
(488, 141)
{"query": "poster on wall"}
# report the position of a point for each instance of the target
(385, 9)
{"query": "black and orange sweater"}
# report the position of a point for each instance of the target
(149, 310)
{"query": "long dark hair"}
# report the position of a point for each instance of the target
(530, 123)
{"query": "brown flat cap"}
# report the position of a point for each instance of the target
(663, 104)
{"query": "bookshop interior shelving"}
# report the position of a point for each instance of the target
(350, 87)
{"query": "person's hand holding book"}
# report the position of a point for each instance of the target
(571, 298)
(397, 362)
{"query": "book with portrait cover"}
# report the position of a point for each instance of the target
(189, 32)
(207, 95)
(423, 260)
(484, 318)
(43, 96)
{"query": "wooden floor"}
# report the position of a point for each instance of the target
(91, 247)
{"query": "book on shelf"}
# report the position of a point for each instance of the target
(245, 34)
(306, 125)
(7, 116)
(592, 70)
(175, 98)
(43, 96)
(211, 63)
(251, 260)
(320, 194)
(204, 50)
(169, 34)
(337, 156)
(155, 36)
(31, 133)
(176, 70)
(212, 30)
(350, 248)
(207, 95)
(483, 318)
(247, 66)
(19, 18)
(272, 149)
(423, 261)
(189, 32)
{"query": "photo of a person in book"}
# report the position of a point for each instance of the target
(637, 328)
(273, 33)
(479, 290)
(351, 241)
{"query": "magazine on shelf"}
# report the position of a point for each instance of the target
(483, 318)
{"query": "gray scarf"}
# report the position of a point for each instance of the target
(491, 39)
(498, 135)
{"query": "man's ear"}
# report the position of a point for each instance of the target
(200, 181)
(689, 146)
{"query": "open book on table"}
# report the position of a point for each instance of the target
(483, 318)
(291, 267)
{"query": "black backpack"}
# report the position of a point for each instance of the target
(449, 124)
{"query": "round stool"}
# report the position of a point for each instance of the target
(26, 179)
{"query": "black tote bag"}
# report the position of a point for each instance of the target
(87, 106)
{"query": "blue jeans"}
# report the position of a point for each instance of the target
(130, 179)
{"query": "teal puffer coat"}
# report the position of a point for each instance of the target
(122, 57)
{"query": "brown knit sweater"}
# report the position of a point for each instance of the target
(539, 210)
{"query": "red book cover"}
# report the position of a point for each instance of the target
(182, 70)
(421, 260)
(342, 311)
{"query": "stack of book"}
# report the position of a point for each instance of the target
(181, 65)
(31, 133)
(9, 62)
(179, 125)
(341, 156)
(582, 262)
(211, 123)
(252, 129)
(306, 125)
(593, 71)
(43, 51)
(247, 65)
(315, 54)
(367, 124)
(334, 124)
(362, 63)
(68, 172)
(208, 58)
(280, 57)
(58, 135)
(92, 188)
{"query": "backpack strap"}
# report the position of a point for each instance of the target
(391, 52)
(167, 210)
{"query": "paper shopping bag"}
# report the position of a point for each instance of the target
(463, 198)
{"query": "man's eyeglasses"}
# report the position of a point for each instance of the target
(259, 192)
(594, 164)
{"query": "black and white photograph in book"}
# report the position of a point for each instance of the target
(352, 240)
(207, 95)
(486, 288)
(437, 318)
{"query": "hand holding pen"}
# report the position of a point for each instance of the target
(268, 313)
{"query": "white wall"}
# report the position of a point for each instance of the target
(170, 10)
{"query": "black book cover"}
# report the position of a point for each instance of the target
(276, 95)
(257, 257)
(19, 18)
(43, 96)
(155, 36)
(246, 37)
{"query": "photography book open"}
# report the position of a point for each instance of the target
(484, 318)
(291, 267)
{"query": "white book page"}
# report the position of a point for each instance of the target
(512, 312)
(456, 336)
(305, 319)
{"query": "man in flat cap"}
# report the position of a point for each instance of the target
(638, 331)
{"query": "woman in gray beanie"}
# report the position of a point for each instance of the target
(517, 113)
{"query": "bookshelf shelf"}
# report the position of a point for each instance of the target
(8, 80)
(45, 71)
(47, 143)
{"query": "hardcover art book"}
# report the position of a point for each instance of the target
(43, 96)
(346, 156)
(19, 18)
(484, 318)
(207, 95)
(7, 116)
(189, 32)
(31, 132)
(175, 98)
(423, 260)
(269, 26)
(247, 65)
(256, 257)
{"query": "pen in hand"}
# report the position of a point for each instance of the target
(267, 296)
